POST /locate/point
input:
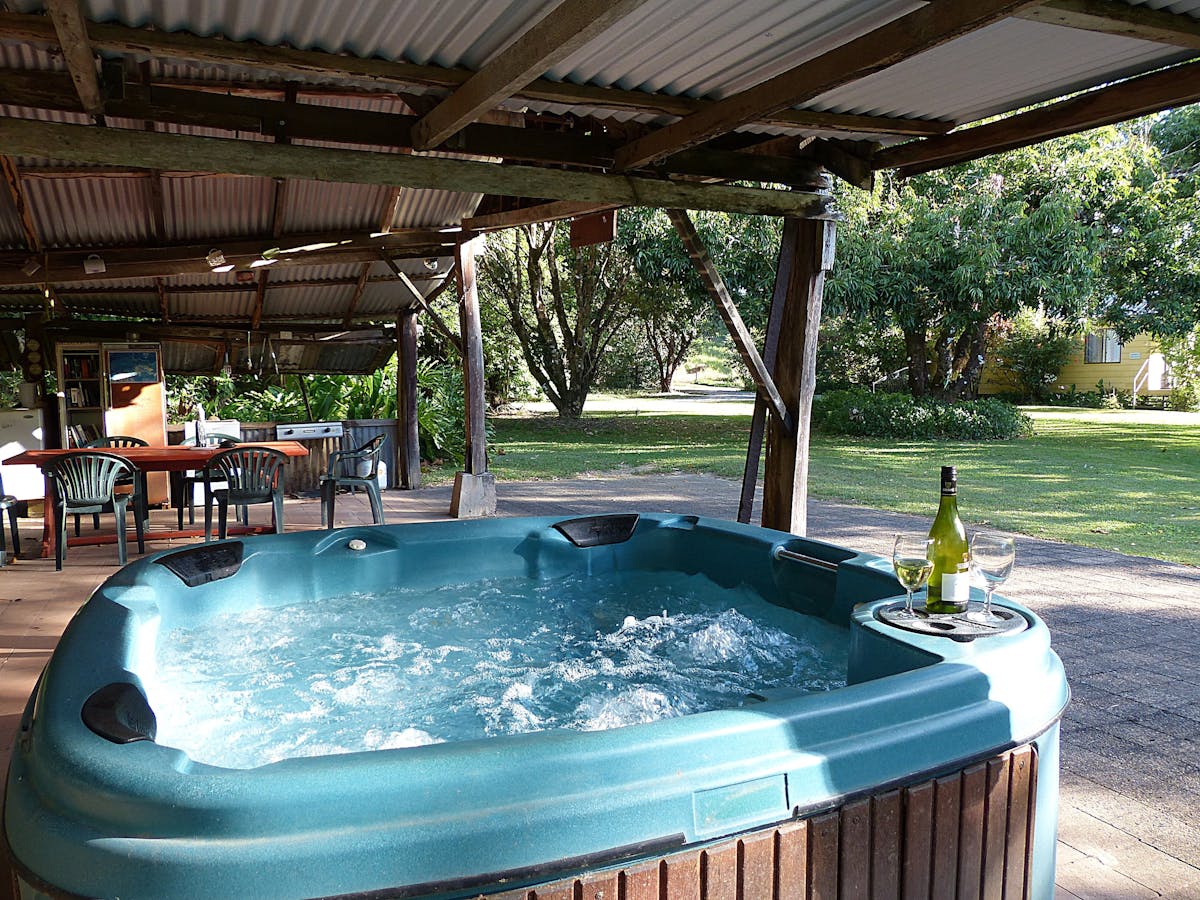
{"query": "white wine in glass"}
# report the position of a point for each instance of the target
(992, 556)
(910, 559)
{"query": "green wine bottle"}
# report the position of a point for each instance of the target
(950, 581)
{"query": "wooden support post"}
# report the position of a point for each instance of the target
(409, 442)
(785, 482)
(758, 422)
(475, 488)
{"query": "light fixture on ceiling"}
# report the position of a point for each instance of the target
(31, 266)
(431, 264)
(215, 258)
(94, 265)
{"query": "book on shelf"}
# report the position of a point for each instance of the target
(84, 434)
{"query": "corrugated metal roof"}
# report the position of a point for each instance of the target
(200, 207)
(315, 206)
(85, 210)
(307, 300)
(1014, 62)
(224, 304)
(139, 305)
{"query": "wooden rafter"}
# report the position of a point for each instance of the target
(164, 302)
(260, 300)
(927, 27)
(1121, 20)
(12, 179)
(71, 30)
(1139, 96)
(557, 35)
(387, 74)
(79, 143)
(389, 210)
(359, 287)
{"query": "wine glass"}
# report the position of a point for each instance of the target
(992, 556)
(910, 559)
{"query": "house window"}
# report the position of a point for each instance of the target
(1102, 347)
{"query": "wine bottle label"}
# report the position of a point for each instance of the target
(956, 587)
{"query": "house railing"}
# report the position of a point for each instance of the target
(1150, 368)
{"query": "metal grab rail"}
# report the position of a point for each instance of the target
(888, 377)
(784, 553)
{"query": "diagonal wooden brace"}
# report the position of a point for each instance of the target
(733, 320)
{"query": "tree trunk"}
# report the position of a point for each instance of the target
(918, 370)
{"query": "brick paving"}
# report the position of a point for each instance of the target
(1126, 627)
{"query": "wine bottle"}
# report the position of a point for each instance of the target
(950, 581)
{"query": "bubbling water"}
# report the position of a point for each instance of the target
(492, 657)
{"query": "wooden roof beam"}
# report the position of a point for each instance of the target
(324, 123)
(558, 34)
(71, 30)
(923, 29)
(66, 266)
(108, 146)
(535, 213)
(390, 75)
(417, 299)
(1129, 99)
(1121, 20)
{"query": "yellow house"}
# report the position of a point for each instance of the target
(1136, 366)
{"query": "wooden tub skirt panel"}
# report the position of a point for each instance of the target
(967, 834)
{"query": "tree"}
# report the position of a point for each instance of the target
(947, 255)
(563, 305)
(671, 304)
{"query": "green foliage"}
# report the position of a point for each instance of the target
(1185, 397)
(628, 361)
(854, 353)
(864, 414)
(1031, 349)
(441, 411)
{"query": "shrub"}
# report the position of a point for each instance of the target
(1185, 397)
(1031, 351)
(863, 414)
(852, 352)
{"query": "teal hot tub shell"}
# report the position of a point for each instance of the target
(97, 809)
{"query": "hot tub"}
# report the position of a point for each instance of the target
(934, 767)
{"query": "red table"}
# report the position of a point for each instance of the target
(176, 458)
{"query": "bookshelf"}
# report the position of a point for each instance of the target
(107, 389)
(82, 394)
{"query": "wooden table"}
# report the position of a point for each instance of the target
(175, 458)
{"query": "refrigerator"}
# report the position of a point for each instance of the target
(21, 429)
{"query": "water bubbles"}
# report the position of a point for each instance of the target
(500, 656)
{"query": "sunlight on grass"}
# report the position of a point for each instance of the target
(1113, 479)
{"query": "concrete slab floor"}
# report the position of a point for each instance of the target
(1127, 629)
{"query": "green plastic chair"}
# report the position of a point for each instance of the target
(85, 481)
(8, 503)
(183, 482)
(242, 476)
(118, 441)
(353, 469)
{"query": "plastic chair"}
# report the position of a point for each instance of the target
(182, 482)
(8, 503)
(241, 476)
(353, 469)
(117, 441)
(85, 481)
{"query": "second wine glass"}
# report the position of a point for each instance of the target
(910, 559)
(992, 556)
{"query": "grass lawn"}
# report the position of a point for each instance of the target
(1126, 481)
